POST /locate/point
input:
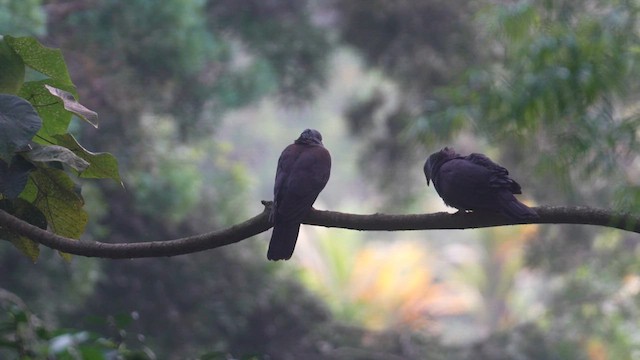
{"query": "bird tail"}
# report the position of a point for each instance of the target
(283, 241)
(514, 209)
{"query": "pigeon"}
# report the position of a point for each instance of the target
(475, 183)
(303, 171)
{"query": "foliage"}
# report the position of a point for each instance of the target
(24, 335)
(563, 84)
(24, 17)
(197, 59)
(563, 87)
(553, 90)
(36, 148)
(419, 45)
(406, 38)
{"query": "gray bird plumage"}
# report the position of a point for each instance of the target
(303, 171)
(475, 183)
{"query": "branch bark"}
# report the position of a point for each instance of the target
(260, 223)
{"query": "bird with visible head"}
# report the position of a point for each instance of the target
(303, 171)
(475, 183)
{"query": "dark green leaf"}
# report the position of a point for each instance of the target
(13, 177)
(29, 213)
(26, 246)
(11, 69)
(19, 122)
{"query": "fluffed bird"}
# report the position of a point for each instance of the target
(303, 171)
(475, 183)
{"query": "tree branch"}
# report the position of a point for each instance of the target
(260, 223)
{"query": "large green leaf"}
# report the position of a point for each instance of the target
(14, 176)
(29, 213)
(101, 165)
(55, 194)
(19, 122)
(46, 60)
(11, 69)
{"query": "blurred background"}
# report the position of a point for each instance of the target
(197, 98)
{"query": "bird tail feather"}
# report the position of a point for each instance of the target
(516, 210)
(283, 241)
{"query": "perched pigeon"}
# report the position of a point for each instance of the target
(303, 171)
(475, 182)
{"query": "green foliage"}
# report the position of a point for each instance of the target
(552, 89)
(101, 165)
(560, 96)
(561, 70)
(173, 195)
(280, 40)
(54, 193)
(23, 17)
(196, 59)
(35, 146)
(47, 61)
(19, 123)
(23, 335)
(420, 43)
(173, 35)
(12, 77)
(30, 213)
(563, 83)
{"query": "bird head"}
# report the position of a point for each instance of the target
(310, 137)
(435, 161)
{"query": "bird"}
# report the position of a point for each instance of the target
(303, 171)
(475, 183)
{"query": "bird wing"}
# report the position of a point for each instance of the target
(499, 175)
(484, 161)
(285, 165)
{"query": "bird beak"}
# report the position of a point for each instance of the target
(428, 181)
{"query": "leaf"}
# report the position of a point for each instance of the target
(11, 69)
(13, 178)
(54, 193)
(55, 117)
(102, 165)
(46, 60)
(72, 105)
(19, 122)
(27, 246)
(29, 213)
(57, 153)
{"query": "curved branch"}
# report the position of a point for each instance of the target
(260, 223)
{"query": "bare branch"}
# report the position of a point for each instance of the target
(581, 215)
(260, 223)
